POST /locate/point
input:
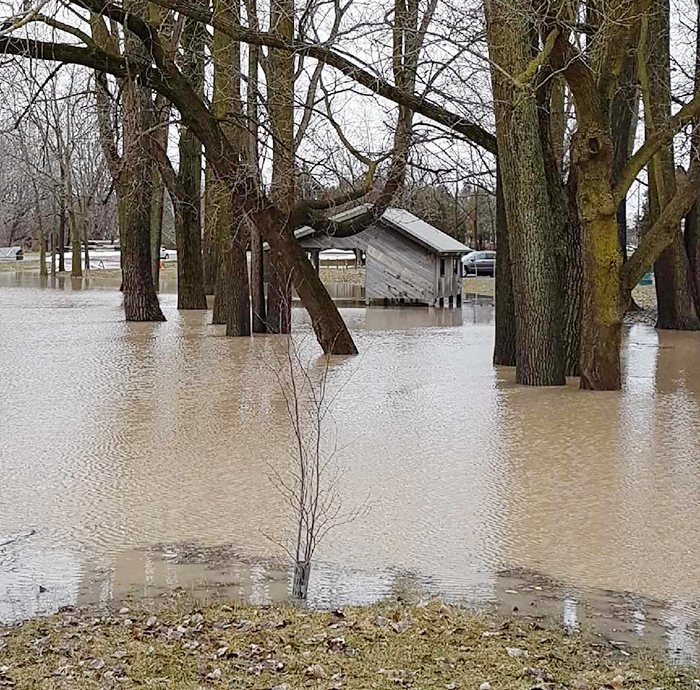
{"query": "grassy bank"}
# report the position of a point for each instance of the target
(232, 646)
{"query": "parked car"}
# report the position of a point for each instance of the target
(164, 254)
(479, 264)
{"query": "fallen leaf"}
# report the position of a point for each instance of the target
(316, 671)
(517, 652)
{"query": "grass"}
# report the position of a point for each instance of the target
(385, 646)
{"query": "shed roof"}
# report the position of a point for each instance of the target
(405, 222)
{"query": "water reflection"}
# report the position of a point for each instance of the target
(121, 436)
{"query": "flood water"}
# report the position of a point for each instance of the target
(135, 458)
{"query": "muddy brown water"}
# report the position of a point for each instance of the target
(135, 461)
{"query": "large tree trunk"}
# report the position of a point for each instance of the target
(140, 298)
(537, 280)
(257, 273)
(331, 332)
(232, 300)
(573, 278)
(257, 282)
(601, 319)
(157, 207)
(692, 220)
(280, 89)
(504, 344)
(567, 228)
(209, 241)
(676, 309)
(232, 303)
(188, 227)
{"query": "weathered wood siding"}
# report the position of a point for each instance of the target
(398, 268)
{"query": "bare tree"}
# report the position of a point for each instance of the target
(311, 484)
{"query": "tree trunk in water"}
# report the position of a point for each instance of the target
(676, 309)
(566, 227)
(237, 306)
(331, 332)
(692, 241)
(504, 345)
(281, 109)
(157, 205)
(537, 283)
(209, 241)
(188, 224)
(601, 319)
(279, 297)
(42, 255)
(87, 253)
(573, 279)
(257, 266)
(300, 581)
(62, 233)
(190, 285)
(330, 329)
(140, 298)
(232, 302)
(674, 295)
(257, 282)
(229, 224)
(76, 257)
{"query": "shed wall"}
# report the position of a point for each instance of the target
(398, 269)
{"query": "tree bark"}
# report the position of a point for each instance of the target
(692, 220)
(257, 282)
(157, 207)
(537, 280)
(566, 228)
(209, 241)
(140, 298)
(42, 255)
(188, 228)
(601, 328)
(676, 309)
(623, 115)
(234, 304)
(505, 339)
(281, 108)
(232, 300)
(257, 273)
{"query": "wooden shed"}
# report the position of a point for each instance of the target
(407, 261)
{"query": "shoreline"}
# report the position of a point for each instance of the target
(226, 644)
